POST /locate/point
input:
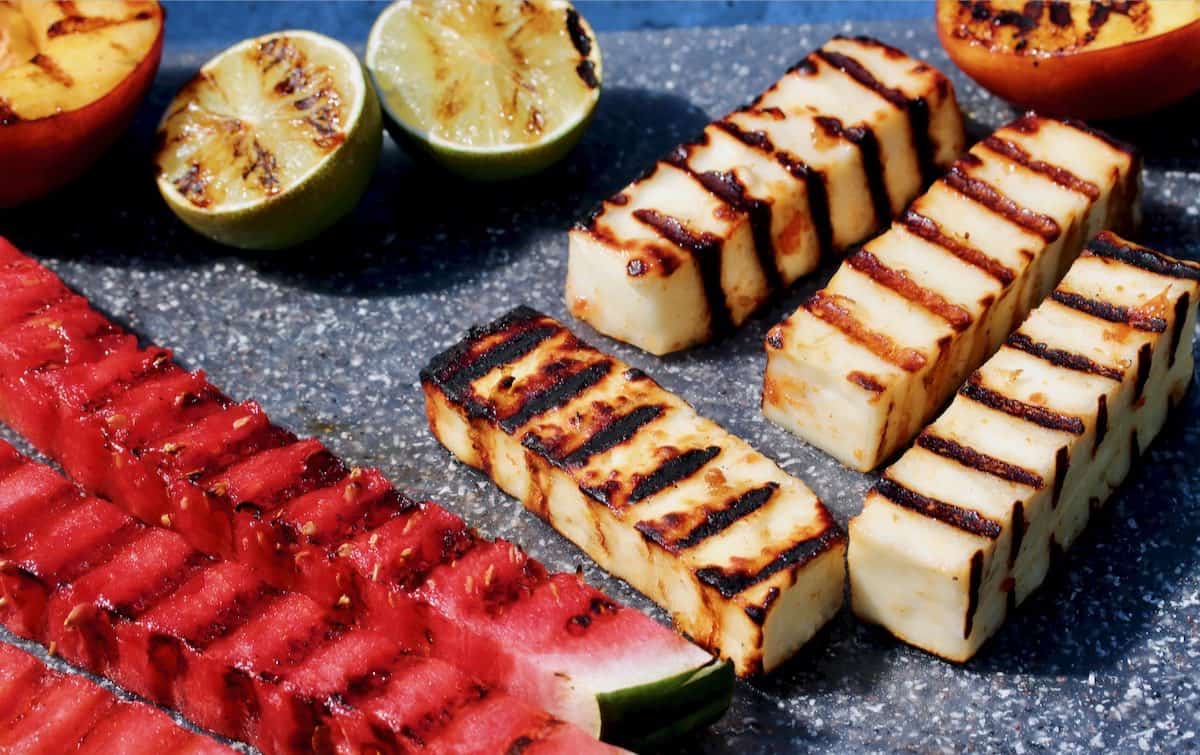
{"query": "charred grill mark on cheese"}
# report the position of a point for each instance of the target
(993, 199)
(455, 369)
(1182, 305)
(1109, 139)
(975, 581)
(818, 199)
(1062, 464)
(917, 108)
(1131, 316)
(968, 457)
(900, 282)
(975, 390)
(611, 435)
(1059, 358)
(731, 582)
(865, 381)
(827, 308)
(1101, 423)
(671, 472)
(1059, 175)
(1145, 360)
(1142, 258)
(758, 613)
(725, 186)
(712, 521)
(862, 137)
(706, 249)
(964, 519)
(928, 229)
(755, 139)
(560, 390)
(1018, 534)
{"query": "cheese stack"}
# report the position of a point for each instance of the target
(823, 159)
(745, 558)
(866, 361)
(966, 523)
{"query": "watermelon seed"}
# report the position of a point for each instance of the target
(487, 575)
(343, 601)
(183, 504)
(375, 572)
(345, 550)
(404, 553)
(351, 492)
(470, 584)
(53, 648)
(408, 525)
(219, 488)
(554, 592)
(375, 539)
(309, 529)
(115, 421)
(302, 554)
(169, 448)
(166, 520)
(3, 601)
(73, 615)
(355, 473)
(240, 423)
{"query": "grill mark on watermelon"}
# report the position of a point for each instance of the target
(148, 600)
(84, 562)
(233, 615)
(320, 469)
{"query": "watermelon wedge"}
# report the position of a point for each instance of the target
(45, 711)
(213, 640)
(131, 426)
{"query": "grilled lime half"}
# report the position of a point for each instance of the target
(272, 142)
(490, 89)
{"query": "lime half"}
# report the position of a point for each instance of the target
(272, 142)
(491, 89)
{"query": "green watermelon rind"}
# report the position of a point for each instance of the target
(634, 717)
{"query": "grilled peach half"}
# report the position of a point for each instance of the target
(1097, 60)
(72, 75)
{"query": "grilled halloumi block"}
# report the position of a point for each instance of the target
(864, 363)
(821, 160)
(968, 521)
(743, 556)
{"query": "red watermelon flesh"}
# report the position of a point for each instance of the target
(216, 642)
(56, 717)
(154, 459)
(54, 707)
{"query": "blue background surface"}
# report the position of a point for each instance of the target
(204, 24)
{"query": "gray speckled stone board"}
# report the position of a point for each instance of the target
(330, 337)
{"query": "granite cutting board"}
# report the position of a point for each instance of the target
(330, 337)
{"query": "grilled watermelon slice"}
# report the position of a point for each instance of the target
(213, 640)
(168, 447)
(45, 711)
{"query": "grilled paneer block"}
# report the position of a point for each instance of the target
(744, 557)
(214, 641)
(168, 447)
(966, 523)
(821, 160)
(865, 362)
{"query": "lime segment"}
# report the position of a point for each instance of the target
(489, 88)
(274, 140)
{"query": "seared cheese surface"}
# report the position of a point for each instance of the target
(745, 558)
(968, 521)
(821, 160)
(867, 360)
